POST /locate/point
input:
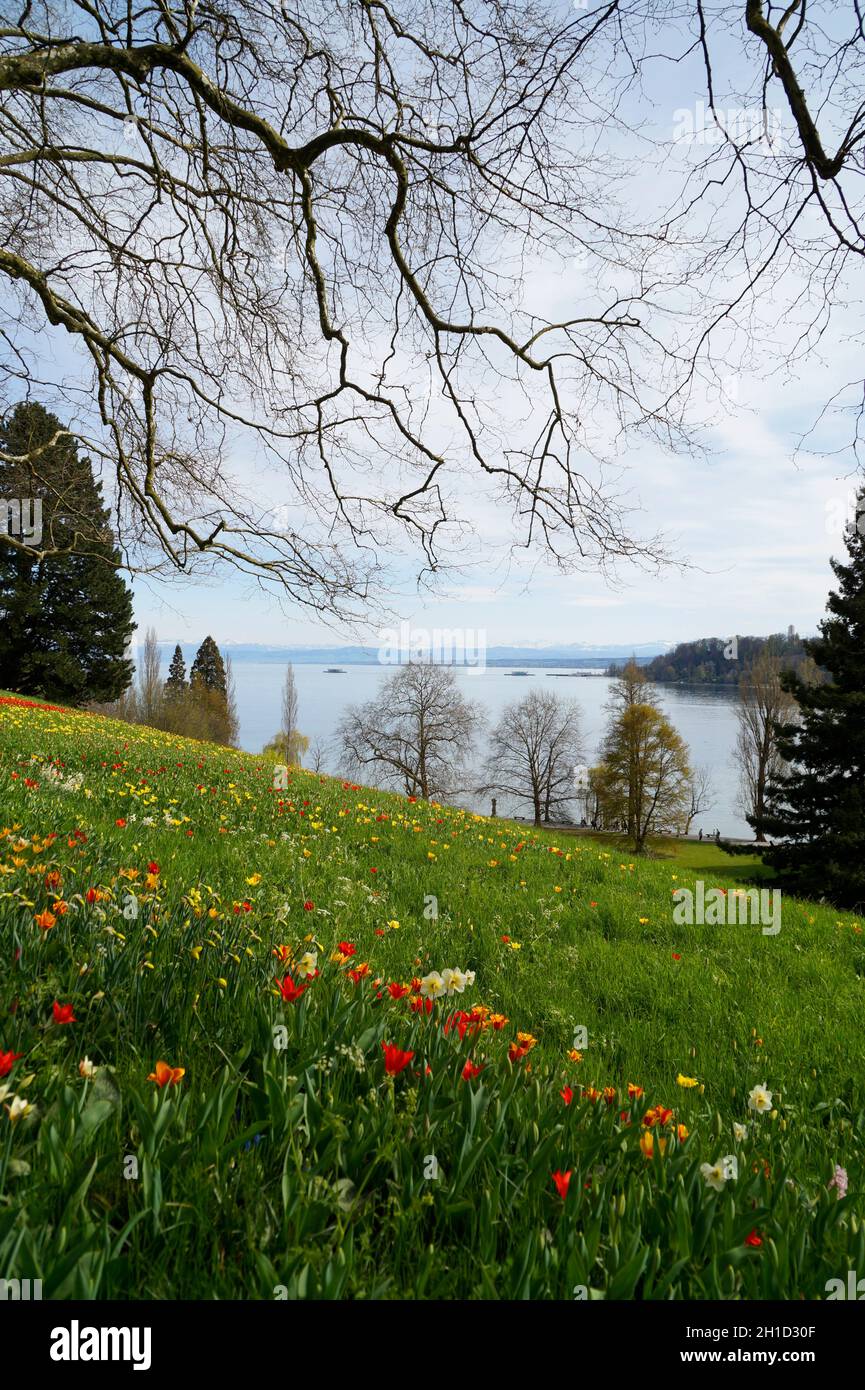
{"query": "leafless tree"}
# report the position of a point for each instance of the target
(763, 704)
(534, 750)
(289, 728)
(149, 702)
(700, 796)
(298, 229)
(232, 718)
(319, 754)
(418, 731)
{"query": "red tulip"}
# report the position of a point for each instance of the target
(290, 991)
(394, 1059)
(63, 1013)
(7, 1061)
(562, 1180)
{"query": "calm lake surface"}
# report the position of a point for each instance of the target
(704, 717)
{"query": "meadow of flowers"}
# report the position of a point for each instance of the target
(325, 1042)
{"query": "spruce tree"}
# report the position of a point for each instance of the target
(65, 612)
(175, 685)
(818, 808)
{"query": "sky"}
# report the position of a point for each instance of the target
(750, 524)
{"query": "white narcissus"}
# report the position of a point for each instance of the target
(308, 964)
(432, 985)
(454, 981)
(739, 1131)
(713, 1175)
(717, 1174)
(760, 1099)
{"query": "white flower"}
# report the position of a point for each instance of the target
(717, 1174)
(18, 1109)
(432, 985)
(454, 981)
(713, 1175)
(739, 1131)
(470, 977)
(87, 1068)
(760, 1099)
(308, 964)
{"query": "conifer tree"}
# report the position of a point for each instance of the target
(211, 706)
(176, 684)
(65, 611)
(208, 668)
(817, 810)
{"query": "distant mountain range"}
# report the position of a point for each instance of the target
(576, 654)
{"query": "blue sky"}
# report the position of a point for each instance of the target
(755, 521)
(751, 523)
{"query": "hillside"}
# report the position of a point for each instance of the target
(161, 903)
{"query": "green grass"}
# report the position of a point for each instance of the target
(288, 1162)
(702, 856)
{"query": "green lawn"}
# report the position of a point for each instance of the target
(286, 1161)
(703, 856)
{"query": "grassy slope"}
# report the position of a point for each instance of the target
(331, 1198)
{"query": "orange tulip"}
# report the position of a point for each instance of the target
(166, 1075)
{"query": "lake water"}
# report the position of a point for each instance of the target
(704, 717)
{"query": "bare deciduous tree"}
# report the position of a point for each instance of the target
(298, 229)
(700, 796)
(763, 704)
(534, 750)
(417, 732)
(319, 754)
(150, 680)
(289, 734)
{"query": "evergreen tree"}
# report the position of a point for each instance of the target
(208, 668)
(211, 711)
(818, 808)
(175, 685)
(65, 618)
